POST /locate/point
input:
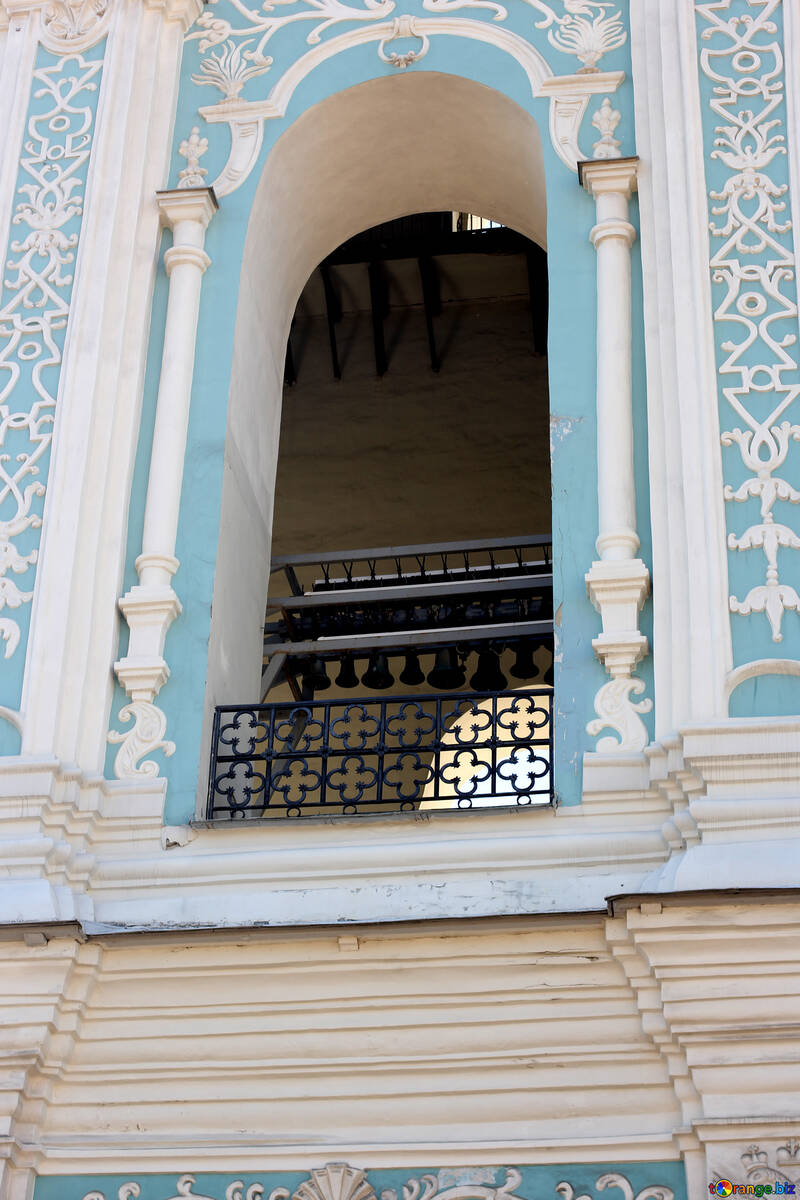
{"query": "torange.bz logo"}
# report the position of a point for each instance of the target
(724, 1187)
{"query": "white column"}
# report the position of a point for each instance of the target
(612, 183)
(618, 584)
(187, 212)
(152, 606)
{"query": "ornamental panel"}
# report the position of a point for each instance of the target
(35, 304)
(754, 293)
(340, 1181)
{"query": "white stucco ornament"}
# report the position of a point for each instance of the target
(233, 39)
(74, 25)
(614, 1180)
(616, 710)
(145, 737)
(753, 259)
(38, 284)
(605, 121)
(192, 149)
(340, 1181)
(403, 27)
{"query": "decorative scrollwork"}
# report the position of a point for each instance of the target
(411, 724)
(339, 1181)
(614, 1180)
(242, 785)
(408, 776)
(753, 274)
(146, 736)
(403, 27)
(523, 768)
(34, 310)
(616, 710)
(464, 771)
(70, 25)
(585, 29)
(350, 778)
(355, 727)
(227, 71)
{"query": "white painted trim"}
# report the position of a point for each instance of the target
(569, 95)
(691, 626)
(759, 667)
(75, 623)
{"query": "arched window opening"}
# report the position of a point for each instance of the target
(414, 672)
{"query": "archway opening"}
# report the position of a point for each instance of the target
(411, 411)
(415, 404)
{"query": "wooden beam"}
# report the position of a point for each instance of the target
(432, 303)
(536, 259)
(333, 311)
(380, 308)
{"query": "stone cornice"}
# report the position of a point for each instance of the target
(609, 175)
(187, 204)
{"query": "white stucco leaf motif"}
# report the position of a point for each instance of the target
(146, 736)
(616, 710)
(69, 25)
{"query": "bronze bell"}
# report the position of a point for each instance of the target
(377, 674)
(347, 677)
(412, 673)
(524, 667)
(488, 677)
(447, 673)
(315, 677)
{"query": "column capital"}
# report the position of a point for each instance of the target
(618, 589)
(603, 175)
(187, 204)
(184, 11)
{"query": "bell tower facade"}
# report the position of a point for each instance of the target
(460, 864)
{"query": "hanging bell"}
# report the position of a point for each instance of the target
(347, 677)
(488, 677)
(377, 675)
(412, 673)
(447, 673)
(524, 667)
(314, 677)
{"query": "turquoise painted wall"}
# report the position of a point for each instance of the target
(571, 214)
(37, 279)
(537, 1182)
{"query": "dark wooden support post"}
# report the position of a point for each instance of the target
(536, 259)
(380, 309)
(432, 302)
(289, 372)
(333, 311)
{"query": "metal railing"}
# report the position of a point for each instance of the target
(427, 563)
(479, 595)
(393, 754)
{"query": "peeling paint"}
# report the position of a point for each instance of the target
(459, 1176)
(562, 427)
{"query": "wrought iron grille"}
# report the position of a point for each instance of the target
(395, 754)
